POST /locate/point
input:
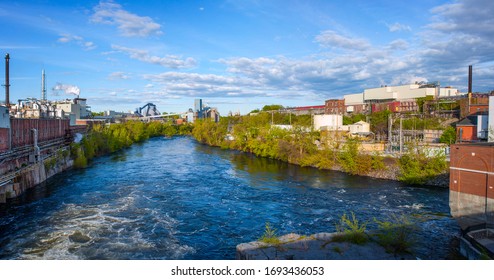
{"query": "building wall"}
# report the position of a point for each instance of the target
(379, 93)
(448, 92)
(354, 99)
(48, 129)
(4, 139)
(469, 132)
(335, 106)
(471, 183)
(490, 123)
(333, 122)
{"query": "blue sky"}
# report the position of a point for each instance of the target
(241, 55)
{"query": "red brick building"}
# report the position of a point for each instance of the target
(472, 184)
(335, 107)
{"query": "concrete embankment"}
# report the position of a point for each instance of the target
(319, 246)
(33, 174)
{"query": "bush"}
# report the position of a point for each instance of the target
(351, 230)
(416, 166)
(396, 235)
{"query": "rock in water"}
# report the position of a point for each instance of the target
(79, 237)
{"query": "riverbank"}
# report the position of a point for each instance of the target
(417, 166)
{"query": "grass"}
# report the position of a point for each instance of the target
(351, 230)
(270, 236)
(396, 235)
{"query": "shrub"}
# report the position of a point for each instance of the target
(351, 230)
(396, 235)
(416, 166)
(269, 236)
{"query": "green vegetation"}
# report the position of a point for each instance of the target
(269, 236)
(396, 235)
(300, 145)
(351, 230)
(272, 107)
(353, 119)
(108, 139)
(418, 165)
(448, 136)
(379, 122)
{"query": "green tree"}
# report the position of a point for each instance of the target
(272, 107)
(448, 136)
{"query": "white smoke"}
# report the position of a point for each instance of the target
(66, 89)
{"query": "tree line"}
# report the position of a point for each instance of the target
(102, 139)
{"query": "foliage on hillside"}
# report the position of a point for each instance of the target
(300, 145)
(108, 139)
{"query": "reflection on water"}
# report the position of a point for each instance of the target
(176, 199)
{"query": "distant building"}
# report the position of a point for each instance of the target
(472, 128)
(328, 122)
(359, 127)
(335, 106)
(355, 104)
(491, 119)
(202, 111)
(76, 106)
(307, 110)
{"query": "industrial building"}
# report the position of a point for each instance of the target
(393, 98)
(203, 111)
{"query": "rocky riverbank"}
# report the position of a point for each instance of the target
(321, 246)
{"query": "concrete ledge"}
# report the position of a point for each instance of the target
(315, 247)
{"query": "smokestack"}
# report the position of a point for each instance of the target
(7, 84)
(470, 79)
(43, 86)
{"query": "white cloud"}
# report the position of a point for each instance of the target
(66, 89)
(129, 25)
(398, 27)
(331, 39)
(68, 38)
(118, 76)
(170, 61)
(398, 44)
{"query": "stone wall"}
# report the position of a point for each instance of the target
(33, 175)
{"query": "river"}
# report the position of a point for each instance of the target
(177, 199)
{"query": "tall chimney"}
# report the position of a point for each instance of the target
(470, 79)
(43, 86)
(7, 84)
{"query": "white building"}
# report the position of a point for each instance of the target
(405, 92)
(328, 122)
(490, 122)
(359, 127)
(76, 106)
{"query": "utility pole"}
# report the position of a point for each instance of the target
(401, 135)
(390, 134)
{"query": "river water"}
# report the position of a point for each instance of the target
(178, 199)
